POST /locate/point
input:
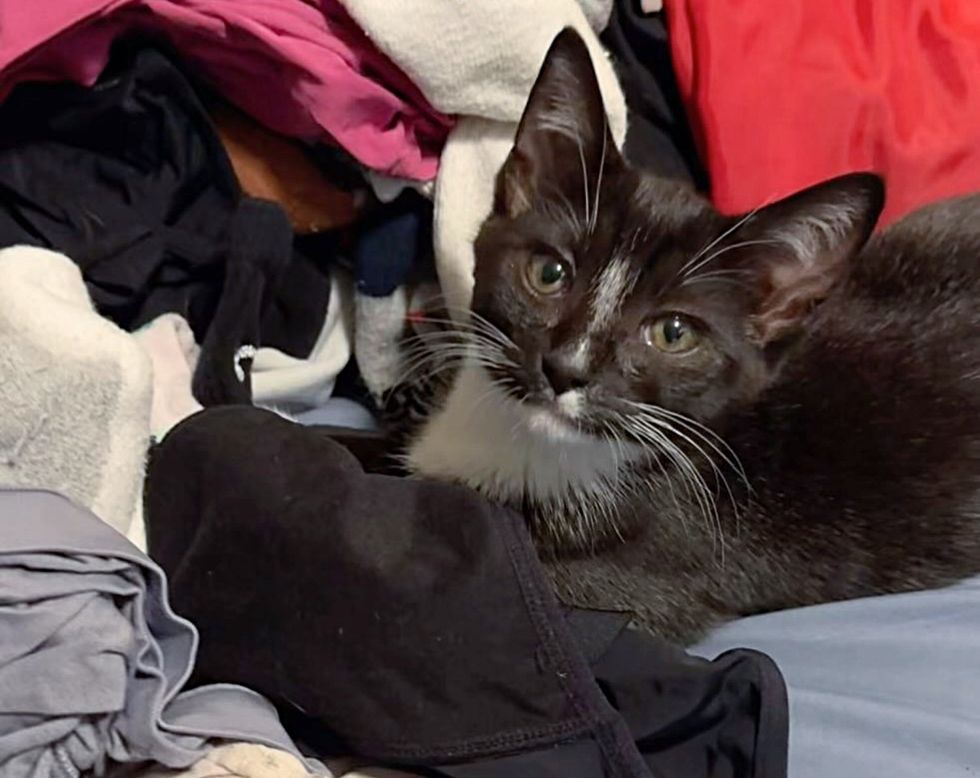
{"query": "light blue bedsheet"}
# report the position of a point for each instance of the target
(883, 687)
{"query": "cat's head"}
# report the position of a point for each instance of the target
(617, 288)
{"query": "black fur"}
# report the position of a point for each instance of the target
(843, 372)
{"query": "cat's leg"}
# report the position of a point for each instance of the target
(678, 605)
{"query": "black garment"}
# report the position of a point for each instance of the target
(129, 179)
(294, 317)
(658, 137)
(259, 238)
(410, 621)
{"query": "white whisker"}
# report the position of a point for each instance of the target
(598, 182)
(711, 244)
(725, 249)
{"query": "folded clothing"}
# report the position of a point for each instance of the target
(783, 95)
(303, 69)
(411, 621)
(93, 658)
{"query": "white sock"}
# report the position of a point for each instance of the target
(169, 343)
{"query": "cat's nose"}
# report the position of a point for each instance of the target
(562, 376)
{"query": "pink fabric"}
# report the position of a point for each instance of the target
(304, 70)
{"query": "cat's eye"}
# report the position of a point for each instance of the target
(671, 334)
(547, 275)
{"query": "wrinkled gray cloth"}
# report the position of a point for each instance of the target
(92, 658)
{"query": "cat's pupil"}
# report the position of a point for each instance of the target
(674, 330)
(552, 273)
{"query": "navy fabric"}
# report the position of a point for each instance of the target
(391, 242)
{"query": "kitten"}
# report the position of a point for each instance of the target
(706, 416)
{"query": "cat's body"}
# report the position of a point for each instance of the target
(820, 440)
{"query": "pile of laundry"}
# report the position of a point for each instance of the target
(216, 218)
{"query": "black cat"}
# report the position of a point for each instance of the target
(704, 416)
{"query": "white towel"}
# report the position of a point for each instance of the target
(74, 388)
(479, 60)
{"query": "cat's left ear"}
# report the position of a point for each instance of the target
(563, 148)
(800, 247)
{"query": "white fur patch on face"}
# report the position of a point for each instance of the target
(577, 356)
(488, 441)
(571, 402)
(611, 287)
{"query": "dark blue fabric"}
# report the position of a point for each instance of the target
(391, 242)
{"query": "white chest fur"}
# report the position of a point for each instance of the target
(484, 439)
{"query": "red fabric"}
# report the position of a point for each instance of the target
(785, 93)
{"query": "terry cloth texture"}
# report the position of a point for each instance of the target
(481, 65)
(75, 390)
(410, 621)
(93, 659)
(302, 68)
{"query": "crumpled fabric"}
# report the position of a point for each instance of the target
(93, 660)
(784, 94)
(151, 213)
(302, 68)
(283, 381)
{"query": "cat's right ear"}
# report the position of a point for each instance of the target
(802, 246)
(563, 144)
